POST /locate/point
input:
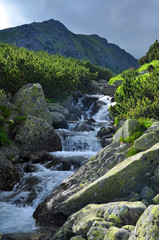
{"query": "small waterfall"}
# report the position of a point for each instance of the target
(79, 144)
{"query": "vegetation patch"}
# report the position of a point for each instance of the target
(57, 75)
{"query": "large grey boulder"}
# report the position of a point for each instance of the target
(38, 135)
(95, 168)
(58, 120)
(147, 225)
(126, 130)
(130, 175)
(30, 100)
(8, 174)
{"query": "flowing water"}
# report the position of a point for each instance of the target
(18, 205)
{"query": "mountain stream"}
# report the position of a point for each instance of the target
(17, 206)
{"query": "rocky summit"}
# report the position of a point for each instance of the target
(53, 37)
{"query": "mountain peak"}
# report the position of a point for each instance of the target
(53, 37)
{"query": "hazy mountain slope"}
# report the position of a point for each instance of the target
(53, 37)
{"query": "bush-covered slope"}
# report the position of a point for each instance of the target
(152, 54)
(53, 37)
(57, 75)
(138, 96)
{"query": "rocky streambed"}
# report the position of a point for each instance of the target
(43, 157)
(82, 184)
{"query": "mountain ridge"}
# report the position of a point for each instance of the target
(53, 37)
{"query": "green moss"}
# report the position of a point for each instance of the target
(132, 151)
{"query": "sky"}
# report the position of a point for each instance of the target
(133, 25)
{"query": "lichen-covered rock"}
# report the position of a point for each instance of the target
(93, 221)
(122, 213)
(115, 233)
(156, 199)
(146, 141)
(126, 130)
(130, 175)
(83, 219)
(78, 237)
(97, 231)
(37, 134)
(30, 100)
(147, 225)
(8, 174)
(58, 120)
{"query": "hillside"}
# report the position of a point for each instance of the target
(138, 95)
(53, 37)
(57, 75)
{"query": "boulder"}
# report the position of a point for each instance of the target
(58, 120)
(126, 130)
(156, 199)
(147, 225)
(30, 100)
(95, 168)
(146, 141)
(82, 127)
(130, 175)
(93, 87)
(56, 107)
(108, 90)
(8, 174)
(96, 220)
(115, 233)
(154, 127)
(98, 230)
(104, 131)
(36, 134)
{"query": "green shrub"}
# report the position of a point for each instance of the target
(150, 68)
(57, 75)
(132, 151)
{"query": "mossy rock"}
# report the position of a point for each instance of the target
(126, 130)
(115, 233)
(131, 175)
(154, 127)
(156, 199)
(30, 100)
(37, 134)
(147, 225)
(146, 141)
(78, 237)
(94, 220)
